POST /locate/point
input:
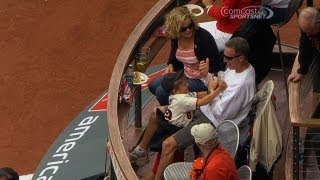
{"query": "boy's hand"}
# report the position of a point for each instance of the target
(207, 2)
(212, 82)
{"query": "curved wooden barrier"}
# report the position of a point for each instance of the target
(295, 104)
(117, 112)
(297, 120)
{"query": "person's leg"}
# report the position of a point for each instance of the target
(156, 89)
(196, 85)
(154, 84)
(150, 129)
(139, 155)
(279, 15)
(180, 140)
(149, 176)
(162, 96)
(169, 147)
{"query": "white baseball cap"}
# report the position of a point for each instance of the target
(204, 132)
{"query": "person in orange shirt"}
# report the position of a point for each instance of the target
(217, 162)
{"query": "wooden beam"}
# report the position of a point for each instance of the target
(120, 159)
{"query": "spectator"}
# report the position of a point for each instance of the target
(190, 44)
(233, 104)
(179, 113)
(228, 18)
(217, 162)
(309, 49)
(7, 173)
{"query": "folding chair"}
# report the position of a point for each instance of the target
(293, 7)
(180, 170)
(244, 173)
(228, 135)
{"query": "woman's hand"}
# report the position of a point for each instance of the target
(169, 69)
(207, 2)
(204, 67)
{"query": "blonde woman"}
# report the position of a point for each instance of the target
(191, 49)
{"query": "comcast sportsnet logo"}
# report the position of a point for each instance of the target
(250, 12)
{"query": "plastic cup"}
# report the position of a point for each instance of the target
(140, 62)
(221, 75)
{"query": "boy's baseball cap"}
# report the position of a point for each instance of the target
(169, 79)
(204, 132)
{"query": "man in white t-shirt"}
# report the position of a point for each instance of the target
(233, 104)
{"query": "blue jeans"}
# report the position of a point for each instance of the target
(195, 85)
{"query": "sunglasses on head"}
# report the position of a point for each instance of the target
(183, 29)
(228, 58)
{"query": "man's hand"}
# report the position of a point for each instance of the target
(204, 67)
(212, 82)
(207, 2)
(222, 86)
(169, 69)
(295, 77)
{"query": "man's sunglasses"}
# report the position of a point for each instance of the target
(228, 58)
(183, 29)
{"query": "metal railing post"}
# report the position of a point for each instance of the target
(137, 107)
(295, 153)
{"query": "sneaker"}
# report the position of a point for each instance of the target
(139, 159)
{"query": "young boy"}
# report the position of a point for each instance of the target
(179, 112)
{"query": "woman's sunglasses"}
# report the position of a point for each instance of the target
(183, 29)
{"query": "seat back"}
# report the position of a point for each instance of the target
(266, 144)
(263, 96)
(293, 7)
(244, 173)
(228, 135)
(179, 170)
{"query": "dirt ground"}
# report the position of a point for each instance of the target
(56, 57)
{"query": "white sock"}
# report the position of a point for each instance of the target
(139, 150)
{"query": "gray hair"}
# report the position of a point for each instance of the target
(311, 15)
(240, 46)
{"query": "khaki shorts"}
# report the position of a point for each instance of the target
(183, 137)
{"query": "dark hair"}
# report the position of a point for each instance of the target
(179, 81)
(240, 46)
(9, 173)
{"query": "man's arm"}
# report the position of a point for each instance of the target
(304, 58)
(305, 53)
